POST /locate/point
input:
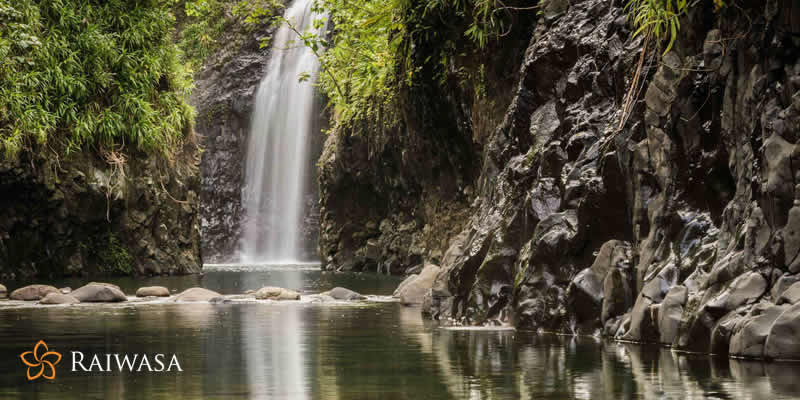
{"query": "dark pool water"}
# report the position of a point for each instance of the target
(363, 350)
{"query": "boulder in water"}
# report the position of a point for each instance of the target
(98, 293)
(340, 293)
(671, 312)
(3, 292)
(196, 294)
(751, 336)
(58, 298)
(403, 284)
(783, 341)
(414, 291)
(105, 284)
(276, 293)
(152, 291)
(32, 292)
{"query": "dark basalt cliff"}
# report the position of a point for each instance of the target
(223, 98)
(80, 215)
(679, 228)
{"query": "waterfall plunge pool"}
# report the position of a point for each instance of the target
(362, 350)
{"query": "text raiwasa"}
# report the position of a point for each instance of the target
(124, 362)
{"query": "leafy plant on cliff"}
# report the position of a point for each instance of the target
(91, 74)
(111, 255)
(658, 19)
(368, 56)
(205, 22)
(361, 57)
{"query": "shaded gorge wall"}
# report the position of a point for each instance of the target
(677, 227)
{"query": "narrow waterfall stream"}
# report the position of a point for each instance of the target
(278, 147)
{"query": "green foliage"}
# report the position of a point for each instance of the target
(659, 19)
(371, 45)
(361, 58)
(486, 17)
(367, 59)
(257, 12)
(112, 256)
(205, 22)
(97, 73)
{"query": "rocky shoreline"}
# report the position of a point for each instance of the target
(766, 332)
(107, 293)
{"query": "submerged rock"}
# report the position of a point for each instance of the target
(32, 292)
(340, 293)
(99, 293)
(414, 291)
(196, 294)
(276, 293)
(152, 291)
(58, 298)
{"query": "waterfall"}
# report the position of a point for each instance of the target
(278, 147)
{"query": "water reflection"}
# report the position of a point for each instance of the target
(504, 365)
(274, 353)
(361, 350)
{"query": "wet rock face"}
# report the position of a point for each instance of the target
(394, 194)
(79, 215)
(682, 227)
(223, 98)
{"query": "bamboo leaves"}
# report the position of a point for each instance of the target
(85, 73)
(657, 18)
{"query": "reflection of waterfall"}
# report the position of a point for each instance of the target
(275, 353)
(278, 147)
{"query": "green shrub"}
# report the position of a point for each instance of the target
(101, 74)
(112, 256)
(205, 22)
(659, 19)
(367, 59)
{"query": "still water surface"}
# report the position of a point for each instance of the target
(360, 350)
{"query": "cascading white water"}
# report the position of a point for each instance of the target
(278, 147)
